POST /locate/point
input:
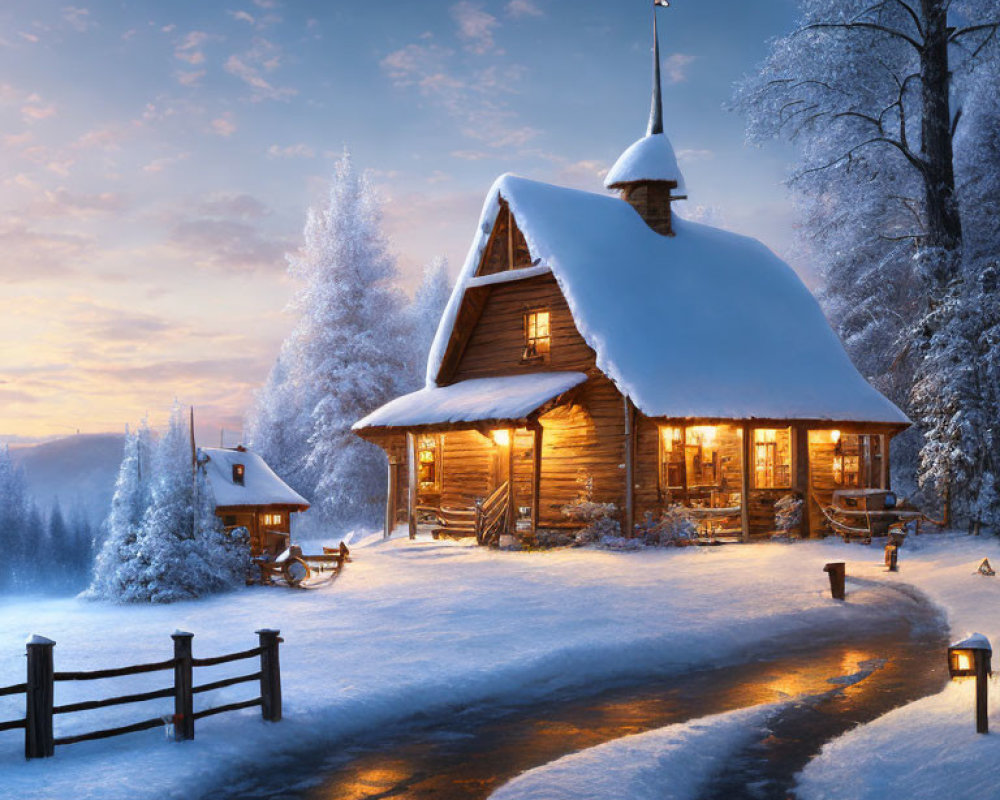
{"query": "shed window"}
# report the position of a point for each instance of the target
(537, 335)
(772, 458)
(273, 519)
(239, 472)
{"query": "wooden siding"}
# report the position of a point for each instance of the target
(506, 238)
(496, 343)
(583, 443)
(468, 462)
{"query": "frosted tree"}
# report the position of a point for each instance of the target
(115, 565)
(279, 425)
(182, 552)
(15, 536)
(347, 355)
(164, 541)
(425, 312)
(866, 91)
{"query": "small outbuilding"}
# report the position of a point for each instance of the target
(250, 495)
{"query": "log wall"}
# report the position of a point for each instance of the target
(496, 344)
(583, 444)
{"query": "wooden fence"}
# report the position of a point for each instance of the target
(39, 691)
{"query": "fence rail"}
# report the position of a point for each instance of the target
(39, 692)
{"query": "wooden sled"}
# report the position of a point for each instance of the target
(300, 571)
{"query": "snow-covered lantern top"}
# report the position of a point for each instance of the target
(964, 656)
(647, 174)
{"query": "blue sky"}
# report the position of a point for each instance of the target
(158, 159)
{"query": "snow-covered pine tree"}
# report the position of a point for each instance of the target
(15, 538)
(279, 423)
(348, 354)
(115, 566)
(181, 549)
(425, 312)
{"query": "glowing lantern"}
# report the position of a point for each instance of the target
(971, 658)
(835, 436)
(501, 437)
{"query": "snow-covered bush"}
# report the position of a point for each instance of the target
(788, 514)
(674, 527)
(600, 520)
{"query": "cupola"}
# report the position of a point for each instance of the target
(647, 174)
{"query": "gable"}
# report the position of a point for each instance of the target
(492, 343)
(507, 248)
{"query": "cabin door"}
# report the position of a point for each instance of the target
(514, 461)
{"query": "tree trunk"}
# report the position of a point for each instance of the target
(944, 225)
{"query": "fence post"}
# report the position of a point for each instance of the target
(38, 741)
(270, 675)
(183, 685)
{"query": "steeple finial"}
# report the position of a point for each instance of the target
(656, 109)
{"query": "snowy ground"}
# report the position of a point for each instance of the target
(928, 749)
(672, 763)
(412, 628)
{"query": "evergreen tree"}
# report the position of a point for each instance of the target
(116, 564)
(425, 314)
(182, 551)
(15, 538)
(348, 354)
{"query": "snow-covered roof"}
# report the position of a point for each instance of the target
(509, 398)
(261, 486)
(651, 158)
(706, 323)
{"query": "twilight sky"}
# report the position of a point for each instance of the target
(157, 160)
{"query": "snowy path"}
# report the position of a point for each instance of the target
(928, 749)
(408, 629)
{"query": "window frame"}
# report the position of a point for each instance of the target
(777, 465)
(239, 475)
(531, 353)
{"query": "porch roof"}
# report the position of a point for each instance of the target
(508, 399)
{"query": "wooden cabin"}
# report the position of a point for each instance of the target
(597, 346)
(250, 495)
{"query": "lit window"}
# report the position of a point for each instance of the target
(537, 335)
(672, 457)
(273, 519)
(428, 459)
(772, 459)
(239, 473)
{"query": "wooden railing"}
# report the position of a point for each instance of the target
(491, 515)
(39, 691)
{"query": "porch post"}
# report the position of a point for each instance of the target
(629, 467)
(390, 498)
(884, 477)
(745, 482)
(536, 476)
(800, 472)
(411, 470)
(511, 500)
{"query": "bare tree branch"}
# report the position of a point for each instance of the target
(872, 26)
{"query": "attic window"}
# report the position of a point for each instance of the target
(239, 473)
(537, 336)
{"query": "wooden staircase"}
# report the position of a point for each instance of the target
(486, 521)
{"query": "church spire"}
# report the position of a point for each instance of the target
(656, 108)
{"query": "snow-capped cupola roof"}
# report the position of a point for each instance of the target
(651, 158)
(260, 485)
(703, 324)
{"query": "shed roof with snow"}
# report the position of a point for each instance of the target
(226, 468)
